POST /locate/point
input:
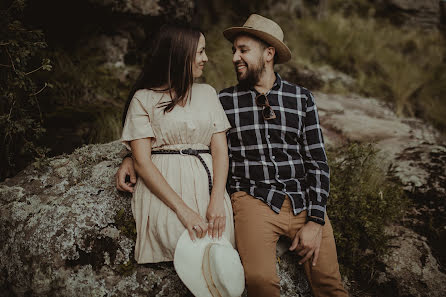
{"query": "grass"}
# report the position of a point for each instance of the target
(405, 67)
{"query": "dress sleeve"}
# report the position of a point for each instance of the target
(137, 122)
(219, 119)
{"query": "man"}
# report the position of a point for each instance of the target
(279, 177)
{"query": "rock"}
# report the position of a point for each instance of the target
(410, 268)
(316, 79)
(355, 118)
(114, 49)
(424, 13)
(67, 231)
(148, 7)
(301, 76)
(415, 156)
(142, 7)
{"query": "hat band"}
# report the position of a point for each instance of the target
(206, 270)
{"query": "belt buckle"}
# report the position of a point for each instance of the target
(189, 152)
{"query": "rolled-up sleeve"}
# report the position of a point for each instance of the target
(315, 162)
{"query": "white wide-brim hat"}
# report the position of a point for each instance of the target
(209, 267)
(266, 30)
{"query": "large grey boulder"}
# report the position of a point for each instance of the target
(415, 155)
(411, 268)
(67, 231)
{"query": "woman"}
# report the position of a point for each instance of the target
(170, 124)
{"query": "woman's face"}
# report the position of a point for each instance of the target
(200, 58)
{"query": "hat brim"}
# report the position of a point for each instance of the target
(188, 262)
(282, 51)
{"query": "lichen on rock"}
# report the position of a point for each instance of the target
(67, 231)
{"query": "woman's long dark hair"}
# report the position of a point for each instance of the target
(169, 62)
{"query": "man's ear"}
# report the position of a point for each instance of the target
(270, 52)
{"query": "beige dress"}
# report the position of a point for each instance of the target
(158, 227)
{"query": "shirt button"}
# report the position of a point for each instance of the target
(268, 136)
(277, 176)
(273, 157)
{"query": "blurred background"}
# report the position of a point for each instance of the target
(66, 68)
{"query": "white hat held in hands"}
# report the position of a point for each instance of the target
(209, 267)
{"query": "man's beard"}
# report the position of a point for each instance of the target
(252, 75)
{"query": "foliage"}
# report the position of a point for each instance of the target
(81, 85)
(362, 203)
(403, 66)
(86, 99)
(219, 71)
(80, 77)
(21, 57)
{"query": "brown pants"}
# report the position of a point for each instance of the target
(257, 230)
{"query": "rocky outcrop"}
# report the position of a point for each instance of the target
(67, 231)
(175, 8)
(416, 156)
(424, 13)
(142, 7)
(410, 270)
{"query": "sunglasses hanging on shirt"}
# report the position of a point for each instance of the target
(267, 111)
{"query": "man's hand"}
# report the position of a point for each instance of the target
(126, 169)
(307, 242)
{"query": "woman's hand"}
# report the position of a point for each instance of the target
(193, 222)
(216, 216)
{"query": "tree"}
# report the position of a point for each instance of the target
(21, 57)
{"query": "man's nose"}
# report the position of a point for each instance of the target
(235, 57)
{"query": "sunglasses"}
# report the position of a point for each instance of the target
(267, 111)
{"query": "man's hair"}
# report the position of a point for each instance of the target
(169, 62)
(262, 43)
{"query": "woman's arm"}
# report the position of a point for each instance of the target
(154, 180)
(216, 214)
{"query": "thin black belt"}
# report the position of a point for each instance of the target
(190, 152)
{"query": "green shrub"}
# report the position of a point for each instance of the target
(21, 58)
(362, 203)
(80, 77)
(86, 96)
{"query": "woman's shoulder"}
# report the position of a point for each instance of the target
(141, 94)
(147, 96)
(203, 88)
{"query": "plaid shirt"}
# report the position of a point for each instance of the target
(270, 159)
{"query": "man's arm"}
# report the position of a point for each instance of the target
(315, 163)
(308, 239)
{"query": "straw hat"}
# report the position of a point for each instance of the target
(209, 268)
(264, 29)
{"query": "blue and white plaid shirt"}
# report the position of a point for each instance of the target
(270, 159)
